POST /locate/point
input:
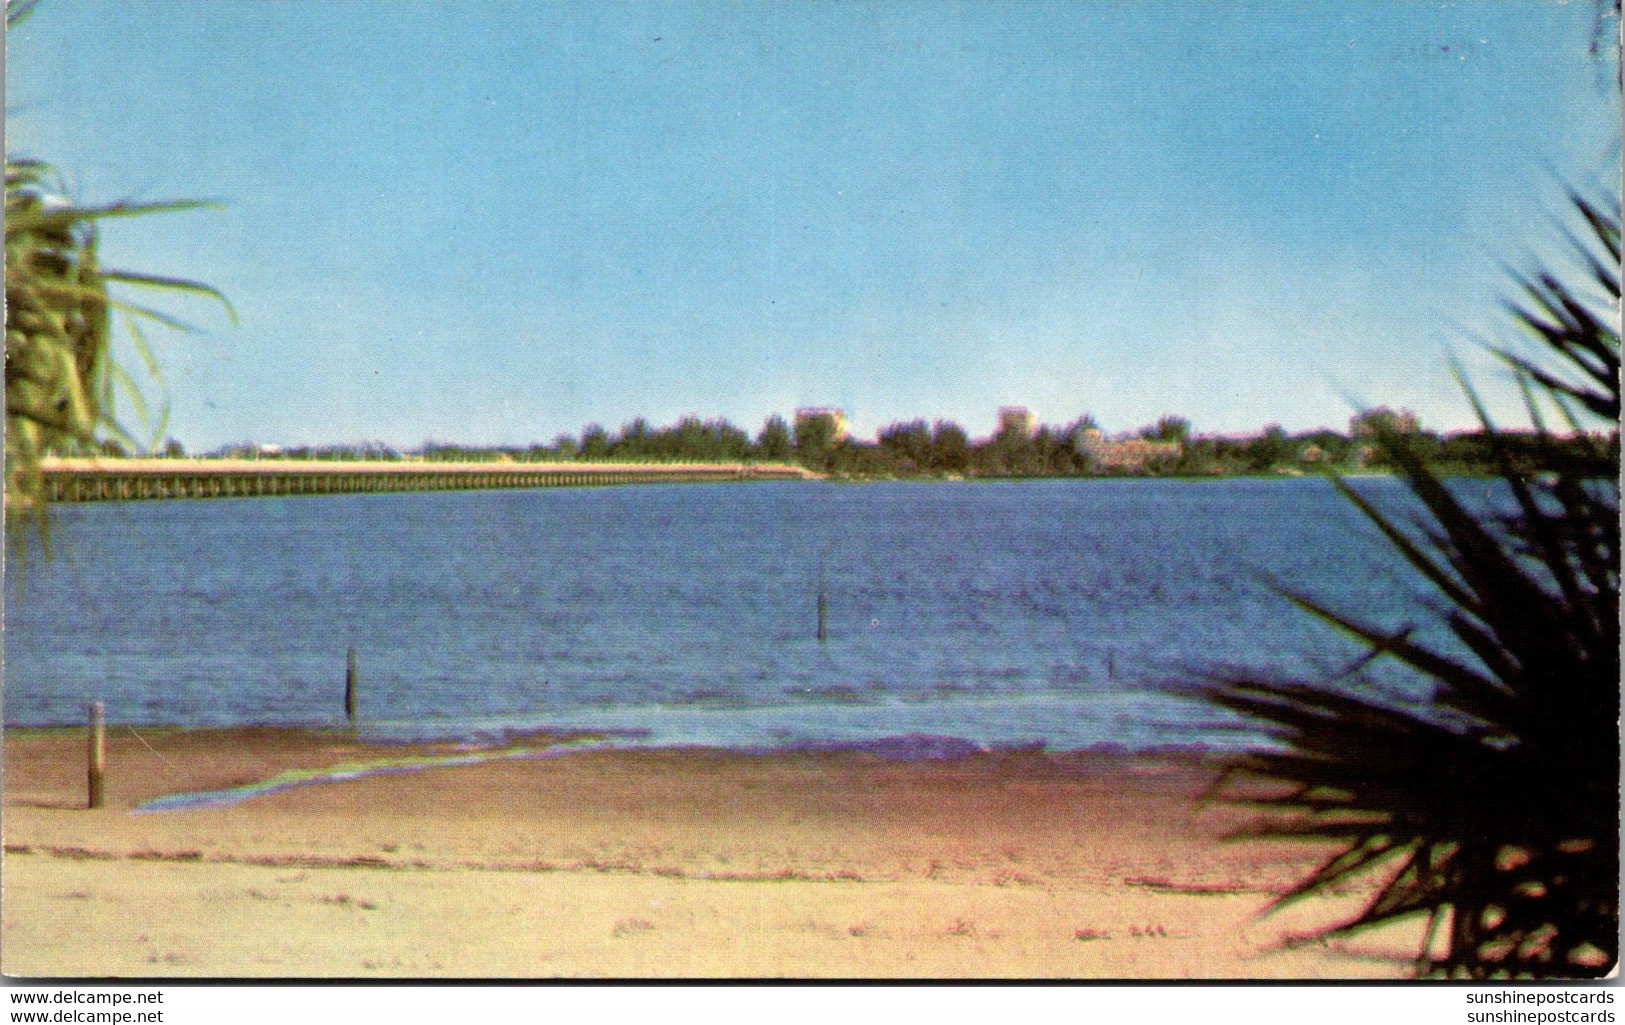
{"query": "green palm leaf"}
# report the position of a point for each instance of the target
(61, 380)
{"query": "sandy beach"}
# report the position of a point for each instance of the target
(658, 863)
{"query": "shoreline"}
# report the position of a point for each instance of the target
(647, 863)
(900, 742)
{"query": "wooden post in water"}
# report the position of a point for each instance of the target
(98, 752)
(1111, 664)
(349, 685)
(823, 614)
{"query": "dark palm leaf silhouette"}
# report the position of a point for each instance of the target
(1493, 810)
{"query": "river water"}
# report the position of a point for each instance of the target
(1003, 613)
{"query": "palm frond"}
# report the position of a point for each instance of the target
(61, 379)
(1493, 805)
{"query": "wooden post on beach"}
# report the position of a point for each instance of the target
(349, 685)
(98, 752)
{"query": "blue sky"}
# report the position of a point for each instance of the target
(495, 222)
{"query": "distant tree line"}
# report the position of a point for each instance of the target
(368, 451)
(942, 448)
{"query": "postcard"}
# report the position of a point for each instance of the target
(827, 490)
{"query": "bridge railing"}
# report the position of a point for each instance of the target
(88, 480)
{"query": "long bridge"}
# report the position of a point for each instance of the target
(113, 480)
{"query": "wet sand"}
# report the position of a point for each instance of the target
(638, 864)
